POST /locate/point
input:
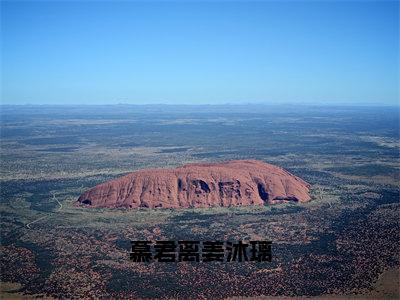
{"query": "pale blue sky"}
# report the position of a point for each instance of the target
(140, 52)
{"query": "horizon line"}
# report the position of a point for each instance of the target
(373, 104)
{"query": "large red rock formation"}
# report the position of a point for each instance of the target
(232, 183)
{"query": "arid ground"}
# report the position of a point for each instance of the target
(343, 244)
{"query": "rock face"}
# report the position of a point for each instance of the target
(232, 183)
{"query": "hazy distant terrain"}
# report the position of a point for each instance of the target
(342, 242)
